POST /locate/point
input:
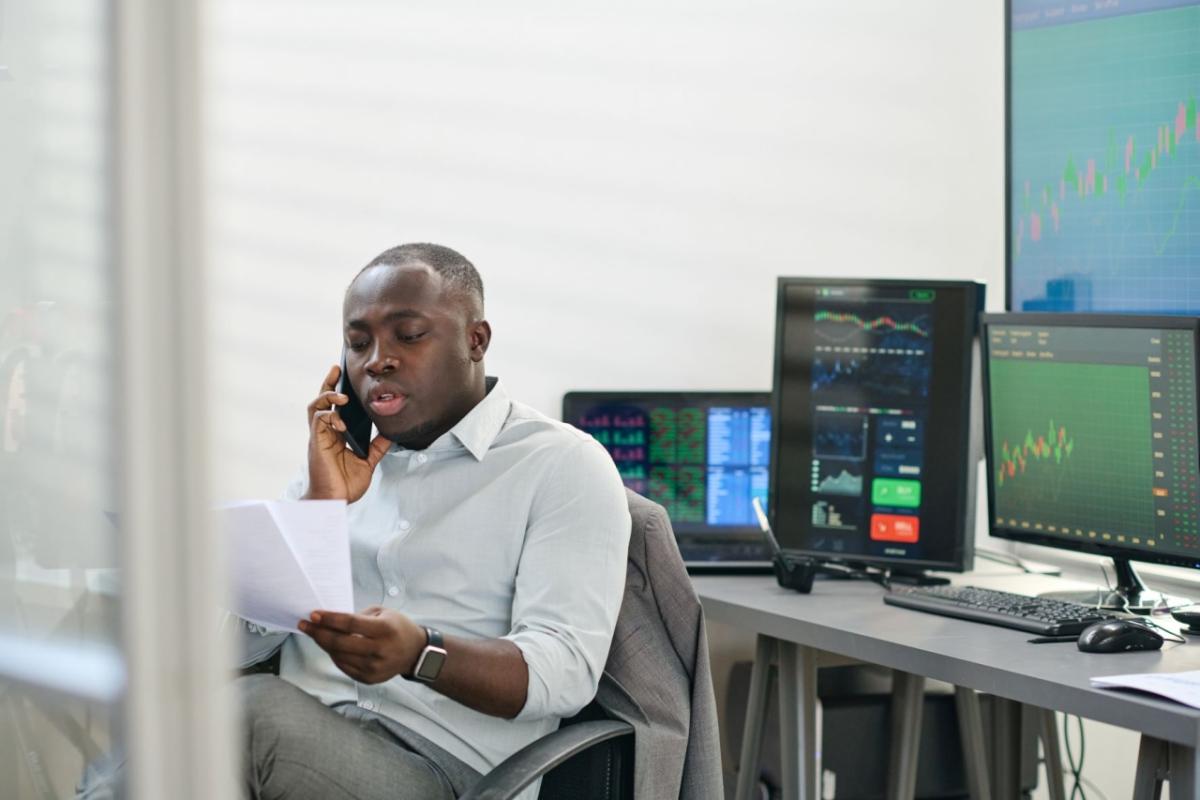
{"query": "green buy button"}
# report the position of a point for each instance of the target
(891, 492)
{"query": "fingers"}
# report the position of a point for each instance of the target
(378, 449)
(359, 669)
(331, 379)
(338, 643)
(362, 624)
(326, 401)
(328, 419)
(328, 394)
(356, 655)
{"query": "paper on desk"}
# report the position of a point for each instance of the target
(1182, 687)
(288, 558)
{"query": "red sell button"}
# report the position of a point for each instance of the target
(894, 528)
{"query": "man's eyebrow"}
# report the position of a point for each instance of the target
(391, 316)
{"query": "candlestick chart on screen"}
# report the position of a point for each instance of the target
(881, 350)
(1104, 160)
(1072, 446)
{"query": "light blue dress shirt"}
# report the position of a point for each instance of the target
(511, 525)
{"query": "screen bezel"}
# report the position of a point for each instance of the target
(729, 536)
(1073, 320)
(974, 294)
(1008, 281)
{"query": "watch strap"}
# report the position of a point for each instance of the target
(433, 638)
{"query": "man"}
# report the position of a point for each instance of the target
(488, 550)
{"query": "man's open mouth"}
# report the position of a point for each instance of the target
(386, 404)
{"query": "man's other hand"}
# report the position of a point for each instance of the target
(371, 647)
(334, 471)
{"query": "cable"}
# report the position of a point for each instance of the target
(1091, 785)
(1166, 633)
(884, 579)
(1076, 770)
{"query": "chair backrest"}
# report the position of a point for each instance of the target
(657, 677)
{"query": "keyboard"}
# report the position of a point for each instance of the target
(1038, 615)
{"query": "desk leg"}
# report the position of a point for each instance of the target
(908, 704)
(1006, 748)
(1151, 769)
(798, 721)
(1049, 736)
(970, 734)
(756, 717)
(1184, 777)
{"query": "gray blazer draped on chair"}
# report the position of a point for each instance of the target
(658, 677)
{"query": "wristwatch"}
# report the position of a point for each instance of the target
(432, 658)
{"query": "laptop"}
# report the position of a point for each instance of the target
(704, 456)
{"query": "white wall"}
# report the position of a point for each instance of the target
(629, 177)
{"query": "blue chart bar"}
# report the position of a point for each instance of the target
(728, 436)
(739, 451)
(729, 496)
(760, 438)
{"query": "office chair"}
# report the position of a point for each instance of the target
(655, 702)
(591, 755)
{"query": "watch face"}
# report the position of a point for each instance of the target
(431, 664)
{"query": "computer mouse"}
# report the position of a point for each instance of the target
(1118, 636)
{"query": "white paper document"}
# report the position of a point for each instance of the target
(288, 558)
(1182, 687)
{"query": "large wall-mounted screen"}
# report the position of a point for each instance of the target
(1104, 156)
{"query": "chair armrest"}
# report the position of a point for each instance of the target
(269, 665)
(537, 758)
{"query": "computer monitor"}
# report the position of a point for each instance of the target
(703, 455)
(1090, 429)
(1103, 168)
(875, 453)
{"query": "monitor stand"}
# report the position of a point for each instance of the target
(1130, 593)
(916, 578)
(859, 569)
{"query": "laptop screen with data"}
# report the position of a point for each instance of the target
(704, 456)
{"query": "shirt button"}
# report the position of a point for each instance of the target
(393, 591)
(405, 525)
(368, 705)
(422, 458)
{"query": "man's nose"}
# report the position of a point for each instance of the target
(381, 360)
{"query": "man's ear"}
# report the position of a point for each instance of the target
(480, 336)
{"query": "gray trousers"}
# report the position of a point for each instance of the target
(298, 748)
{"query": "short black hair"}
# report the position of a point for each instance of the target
(454, 268)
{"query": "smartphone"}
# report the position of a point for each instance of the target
(358, 424)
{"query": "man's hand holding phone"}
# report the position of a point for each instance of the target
(334, 472)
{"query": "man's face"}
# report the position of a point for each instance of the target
(412, 351)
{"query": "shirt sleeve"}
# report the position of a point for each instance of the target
(570, 580)
(252, 643)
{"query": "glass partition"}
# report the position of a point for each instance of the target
(61, 673)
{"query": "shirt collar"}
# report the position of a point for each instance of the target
(480, 427)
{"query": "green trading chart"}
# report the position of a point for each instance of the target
(1072, 447)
